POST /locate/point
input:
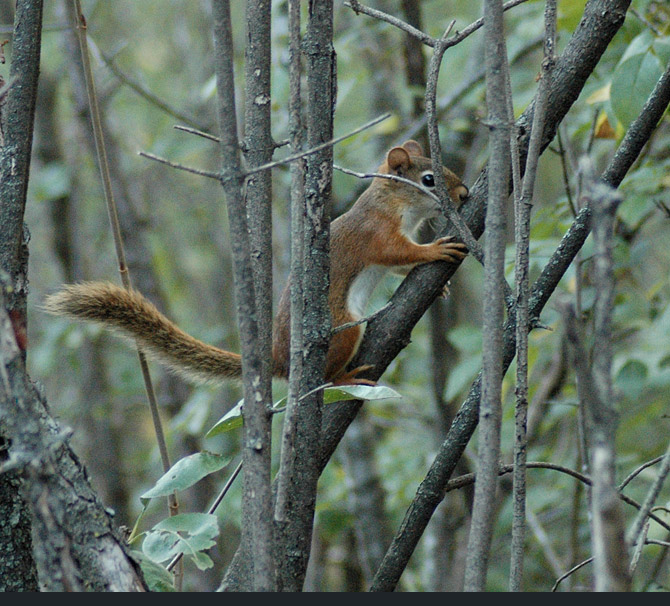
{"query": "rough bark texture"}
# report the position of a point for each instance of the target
(75, 543)
(490, 410)
(296, 533)
(257, 510)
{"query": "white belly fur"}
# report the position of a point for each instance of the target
(362, 287)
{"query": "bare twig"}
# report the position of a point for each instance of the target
(448, 209)
(545, 542)
(455, 94)
(639, 470)
(569, 572)
(639, 545)
(469, 479)
(195, 131)
(146, 94)
(79, 24)
(189, 169)
(349, 325)
(317, 148)
(269, 165)
(357, 7)
(635, 533)
(657, 542)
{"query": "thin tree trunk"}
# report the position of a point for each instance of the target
(257, 498)
(490, 409)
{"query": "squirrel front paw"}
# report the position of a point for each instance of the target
(446, 249)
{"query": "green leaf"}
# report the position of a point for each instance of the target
(187, 533)
(634, 78)
(193, 523)
(158, 578)
(161, 546)
(639, 45)
(661, 47)
(358, 392)
(231, 420)
(631, 378)
(186, 472)
(202, 560)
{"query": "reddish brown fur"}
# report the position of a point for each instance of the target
(371, 234)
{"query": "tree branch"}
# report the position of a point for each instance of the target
(490, 416)
(257, 523)
(429, 493)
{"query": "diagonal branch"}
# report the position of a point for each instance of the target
(388, 333)
(430, 492)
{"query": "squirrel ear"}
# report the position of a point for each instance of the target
(398, 159)
(413, 148)
(461, 192)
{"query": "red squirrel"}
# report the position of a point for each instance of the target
(374, 236)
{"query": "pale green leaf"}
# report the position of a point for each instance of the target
(157, 577)
(231, 420)
(632, 82)
(358, 392)
(187, 533)
(186, 472)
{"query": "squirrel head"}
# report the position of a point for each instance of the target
(408, 161)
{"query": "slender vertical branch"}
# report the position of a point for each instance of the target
(297, 263)
(258, 149)
(16, 131)
(320, 62)
(490, 412)
(636, 533)
(257, 522)
(611, 569)
(17, 122)
(523, 204)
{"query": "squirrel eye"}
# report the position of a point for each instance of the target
(428, 180)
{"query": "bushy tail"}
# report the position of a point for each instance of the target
(128, 314)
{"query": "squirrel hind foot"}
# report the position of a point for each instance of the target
(350, 378)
